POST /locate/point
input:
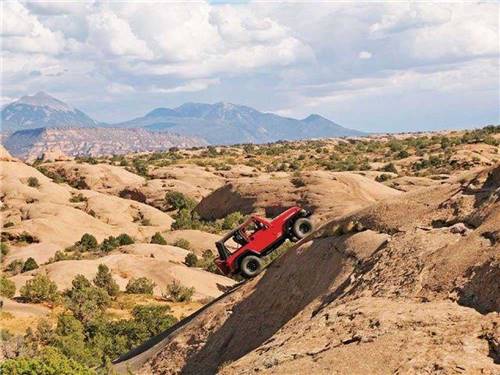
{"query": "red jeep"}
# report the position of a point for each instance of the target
(258, 237)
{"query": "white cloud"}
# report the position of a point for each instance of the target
(118, 88)
(191, 86)
(112, 35)
(23, 32)
(365, 55)
(287, 56)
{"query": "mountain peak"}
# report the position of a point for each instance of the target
(314, 117)
(42, 99)
(42, 111)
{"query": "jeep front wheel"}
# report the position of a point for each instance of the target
(251, 266)
(302, 227)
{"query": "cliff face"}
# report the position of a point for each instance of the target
(34, 143)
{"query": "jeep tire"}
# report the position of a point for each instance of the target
(302, 227)
(250, 266)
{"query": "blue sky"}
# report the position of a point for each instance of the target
(391, 66)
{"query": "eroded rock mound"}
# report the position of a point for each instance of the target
(390, 288)
(328, 194)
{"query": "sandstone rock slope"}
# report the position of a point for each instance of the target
(403, 286)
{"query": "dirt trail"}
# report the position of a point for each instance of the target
(407, 285)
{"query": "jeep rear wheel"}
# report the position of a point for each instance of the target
(251, 266)
(302, 227)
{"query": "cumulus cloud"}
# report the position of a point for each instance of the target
(303, 56)
(365, 55)
(191, 86)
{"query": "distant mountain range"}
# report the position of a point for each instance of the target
(42, 110)
(196, 123)
(226, 123)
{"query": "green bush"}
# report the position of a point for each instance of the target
(178, 201)
(105, 280)
(15, 267)
(40, 289)
(142, 285)
(178, 293)
(49, 362)
(390, 167)
(158, 239)
(77, 198)
(155, 318)
(33, 182)
(232, 220)
(61, 255)
(87, 242)
(182, 243)
(191, 260)
(7, 287)
(402, 154)
(109, 244)
(28, 238)
(4, 249)
(140, 166)
(185, 220)
(124, 239)
(30, 265)
(207, 262)
(86, 301)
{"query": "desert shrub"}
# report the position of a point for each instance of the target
(178, 201)
(191, 260)
(87, 302)
(33, 182)
(49, 362)
(69, 338)
(4, 248)
(383, 177)
(15, 266)
(30, 265)
(178, 293)
(140, 166)
(27, 237)
(124, 239)
(158, 239)
(109, 244)
(104, 280)
(40, 289)
(390, 167)
(185, 220)
(54, 176)
(7, 287)
(77, 198)
(298, 182)
(232, 220)
(80, 184)
(86, 159)
(395, 145)
(87, 242)
(59, 256)
(155, 318)
(402, 154)
(182, 243)
(207, 262)
(142, 285)
(8, 224)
